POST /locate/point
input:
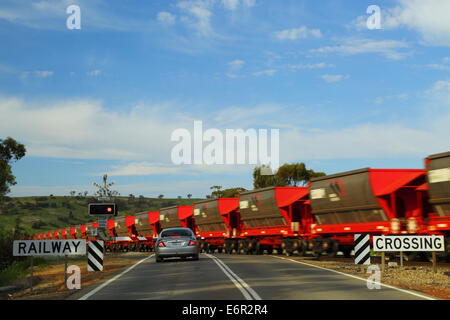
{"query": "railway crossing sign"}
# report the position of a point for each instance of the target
(408, 243)
(95, 255)
(73, 247)
(362, 248)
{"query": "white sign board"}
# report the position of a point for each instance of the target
(408, 243)
(49, 247)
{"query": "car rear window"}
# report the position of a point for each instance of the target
(176, 233)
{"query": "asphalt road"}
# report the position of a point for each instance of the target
(235, 277)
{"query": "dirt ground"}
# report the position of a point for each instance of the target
(416, 278)
(50, 279)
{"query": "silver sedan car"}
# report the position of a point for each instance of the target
(176, 242)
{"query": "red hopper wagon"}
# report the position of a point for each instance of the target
(75, 232)
(119, 231)
(217, 222)
(274, 218)
(144, 231)
(56, 234)
(438, 169)
(373, 201)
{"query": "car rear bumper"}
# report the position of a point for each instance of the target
(177, 252)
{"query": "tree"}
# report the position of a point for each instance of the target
(216, 192)
(105, 189)
(179, 197)
(86, 193)
(10, 151)
(160, 196)
(189, 196)
(228, 193)
(73, 193)
(293, 174)
(263, 180)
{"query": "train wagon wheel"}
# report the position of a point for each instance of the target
(251, 248)
(347, 252)
(248, 247)
(219, 250)
(301, 247)
(440, 256)
(317, 248)
(259, 248)
(412, 256)
(235, 246)
(286, 244)
(227, 246)
(332, 249)
(269, 250)
(295, 245)
(240, 247)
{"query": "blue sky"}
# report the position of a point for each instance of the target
(106, 98)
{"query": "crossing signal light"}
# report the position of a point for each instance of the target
(100, 209)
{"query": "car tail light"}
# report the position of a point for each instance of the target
(192, 243)
(161, 244)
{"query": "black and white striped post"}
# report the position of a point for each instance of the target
(95, 254)
(362, 248)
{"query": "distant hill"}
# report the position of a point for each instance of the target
(40, 214)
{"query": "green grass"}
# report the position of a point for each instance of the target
(20, 269)
(41, 214)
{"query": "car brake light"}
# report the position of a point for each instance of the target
(192, 243)
(161, 244)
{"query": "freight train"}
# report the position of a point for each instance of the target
(320, 219)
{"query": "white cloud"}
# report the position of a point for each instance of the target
(379, 100)
(166, 18)
(437, 66)
(334, 77)
(143, 169)
(235, 4)
(94, 73)
(200, 14)
(351, 46)
(234, 67)
(51, 14)
(43, 73)
(240, 114)
(297, 33)
(319, 65)
(84, 129)
(236, 64)
(151, 169)
(400, 96)
(268, 72)
(430, 18)
(37, 74)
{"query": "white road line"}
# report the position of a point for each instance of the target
(89, 294)
(359, 278)
(246, 290)
(244, 284)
